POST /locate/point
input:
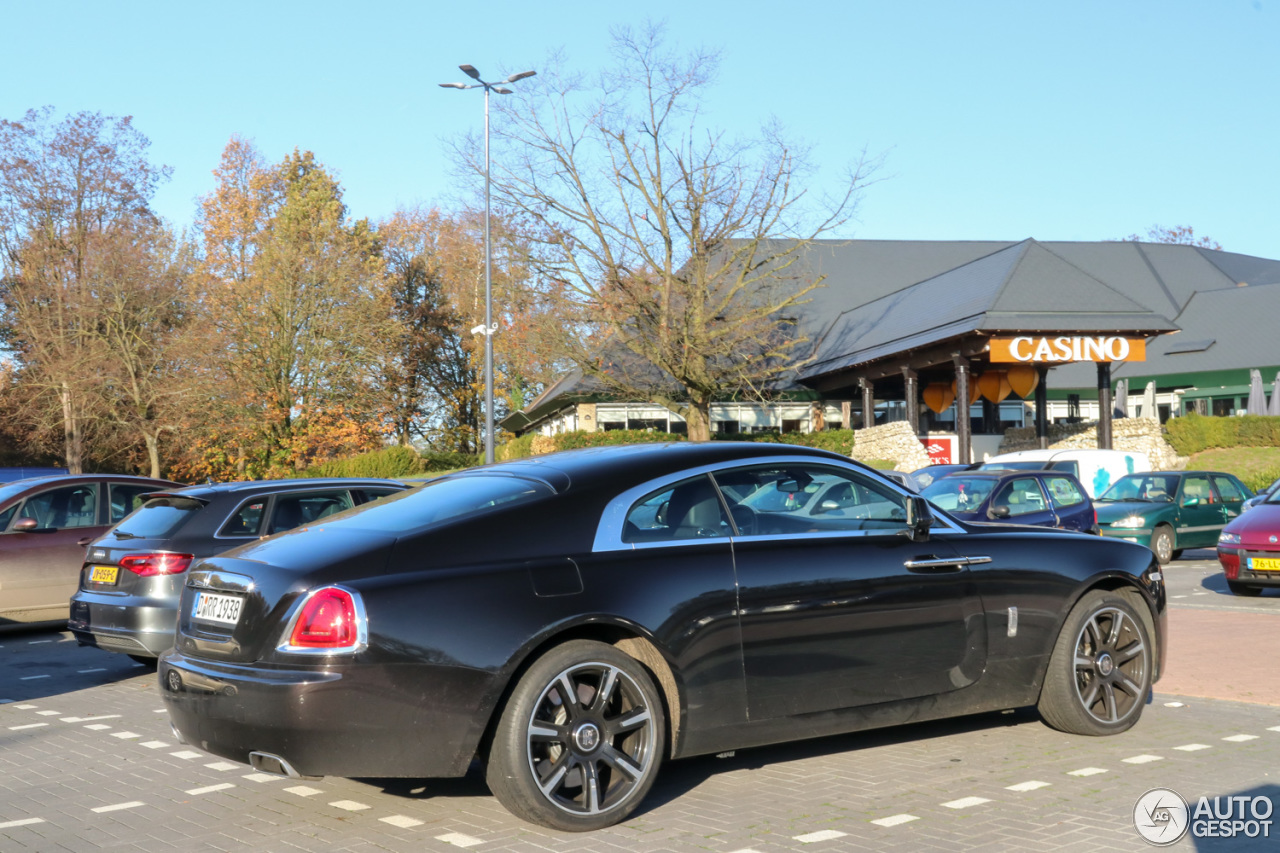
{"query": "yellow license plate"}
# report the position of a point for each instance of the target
(1264, 564)
(104, 574)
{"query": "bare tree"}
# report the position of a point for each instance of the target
(64, 184)
(676, 244)
(1183, 235)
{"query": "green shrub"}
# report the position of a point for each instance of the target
(609, 438)
(390, 463)
(882, 464)
(442, 461)
(516, 448)
(1259, 480)
(1194, 433)
(836, 440)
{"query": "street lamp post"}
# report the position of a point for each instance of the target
(488, 328)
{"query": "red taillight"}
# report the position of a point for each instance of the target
(1230, 563)
(327, 621)
(149, 565)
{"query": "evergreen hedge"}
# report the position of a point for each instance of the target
(837, 440)
(389, 463)
(1193, 433)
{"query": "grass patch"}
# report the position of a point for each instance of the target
(1256, 466)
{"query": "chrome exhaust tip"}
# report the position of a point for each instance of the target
(177, 735)
(265, 762)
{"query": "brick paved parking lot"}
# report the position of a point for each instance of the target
(87, 762)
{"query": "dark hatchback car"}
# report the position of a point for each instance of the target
(574, 619)
(1042, 498)
(45, 523)
(131, 578)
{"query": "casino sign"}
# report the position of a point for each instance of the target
(1063, 349)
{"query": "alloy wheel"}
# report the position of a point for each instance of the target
(1111, 663)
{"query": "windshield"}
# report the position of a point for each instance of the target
(959, 493)
(1142, 487)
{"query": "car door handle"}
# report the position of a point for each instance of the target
(943, 564)
(85, 541)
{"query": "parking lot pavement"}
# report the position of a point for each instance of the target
(88, 762)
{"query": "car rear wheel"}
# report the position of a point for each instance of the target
(1099, 673)
(1177, 554)
(1243, 589)
(1162, 544)
(580, 740)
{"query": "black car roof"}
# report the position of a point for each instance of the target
(209, 490)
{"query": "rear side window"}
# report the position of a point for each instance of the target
(446, 499)
(1228, 489)
(160, 518)
(1064, 492)
(1069, 465)
(247, 520)
(687, 510)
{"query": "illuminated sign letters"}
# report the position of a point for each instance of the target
(1063, 349)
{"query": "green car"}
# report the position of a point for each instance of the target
(1170, 510)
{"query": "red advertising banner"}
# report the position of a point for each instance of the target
(941, 448)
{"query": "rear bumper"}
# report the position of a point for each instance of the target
(122, 624)
(352, 720)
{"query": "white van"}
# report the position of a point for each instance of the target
(1095, 469)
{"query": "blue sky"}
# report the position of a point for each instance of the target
(1059, 121)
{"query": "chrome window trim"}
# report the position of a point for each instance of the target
(609, 530)
(268, 502)
(362, 625)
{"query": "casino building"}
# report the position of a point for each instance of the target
(1027, 332)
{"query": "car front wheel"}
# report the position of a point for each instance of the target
(1099, 673)
(1162, 544)
(580, 740)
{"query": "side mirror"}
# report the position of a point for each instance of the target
(23, 525)
(1190, 501)
(919, 519)
(999, 512)
(827, 506)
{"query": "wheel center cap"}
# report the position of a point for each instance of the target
(1106, 665)
(586, 737)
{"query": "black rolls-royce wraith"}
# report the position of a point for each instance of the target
(575, 619)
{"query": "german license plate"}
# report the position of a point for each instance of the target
(211, 607)
(1264, 564)
(104, 574)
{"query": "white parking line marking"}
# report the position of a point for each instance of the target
(48, 713)
(118, 807)
(262, 777)
(304, 791)
(1174, 705)
(209, 790)
(1086, 771)
(33, 678)
(894, 820)
(154, 744)
(1273, 729)
(1143, 759)
(125, 735)
(1179, 596)
(823, 835)
(92, 719)
(186, 755)
(1240, 738)
(27, 726)
(966, 802)
(95, 669)
(25, 707)
(407, 822)
(1033, 785)
(98, 727)
(37, 642)
(26, 821)
(1192, 747)
(349, 805)
(223, 765)
(457, 839)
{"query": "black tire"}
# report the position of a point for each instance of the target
(145, 661)
(1162, 543)
(1176, 555)
(546, 753)
(1244, 589)
(1099, 674)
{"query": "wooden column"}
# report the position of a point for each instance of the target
(1104, 405)
(868, 403)
(1042, 408)
(846, 414)
(911, 390)
(964, 436)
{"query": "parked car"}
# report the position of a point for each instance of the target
(1095, 469)
(902, 478)
(1261, 496)
(45, 524)
(131, 578)
(1041, 498)
(926, 475)
(1249, 549)
(538, 614)
(1169, 511)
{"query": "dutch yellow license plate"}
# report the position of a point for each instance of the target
(104, 574)
(1264, 564)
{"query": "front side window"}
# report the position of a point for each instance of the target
(1196, 489)
(790, 498)
(1022, 496)
(68, 507)
(297, 510)
(690, 509)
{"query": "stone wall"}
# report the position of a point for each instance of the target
(1136, 435)
(894, 441)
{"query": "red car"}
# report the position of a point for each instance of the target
(1249, 549)
(45, 524)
